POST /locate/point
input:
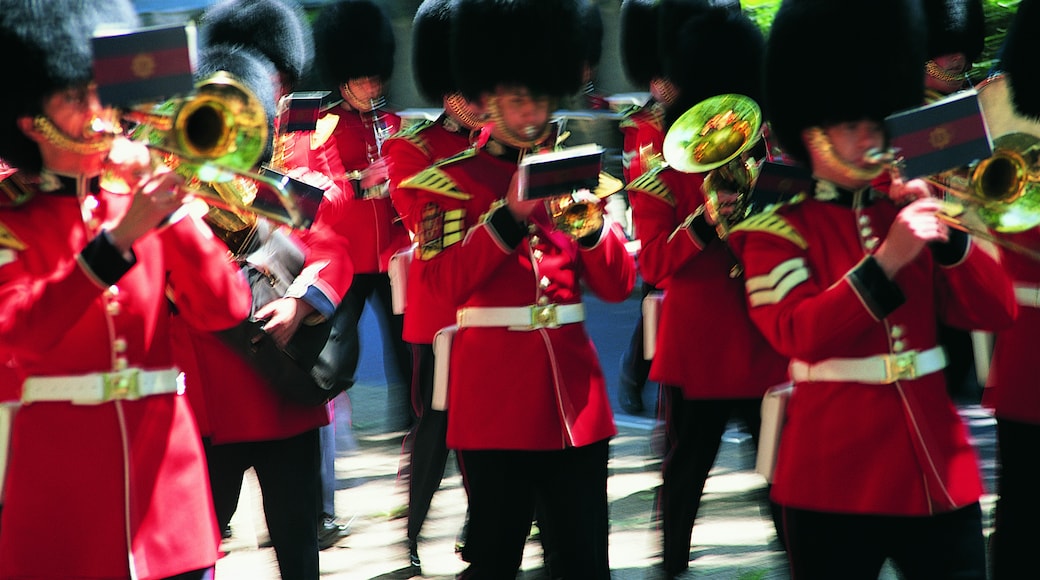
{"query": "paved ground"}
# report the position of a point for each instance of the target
(733, 538)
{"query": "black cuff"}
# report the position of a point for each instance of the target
(505, 225)
(953, 250)
(105, 260)
(881, 295)
(590, 239)
(702, 230)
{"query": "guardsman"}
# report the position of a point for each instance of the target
(706, 382)
(528, 411)
(87, 279)
(849, 283)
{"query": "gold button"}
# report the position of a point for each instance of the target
(121, 364)
(112, 291)
(537, 255)
(898, 331)
(535, 240)
(113, 308)
(870, 243)
(543, 300)
(864, 220)
(119, 345)
(866, 232)
(899, 346)
(543, 283)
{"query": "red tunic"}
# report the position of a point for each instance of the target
(642, 132)
(1011, 387)
(848, 447)
(89, 463)
(533, 390)
(231, 401)
(408, 153)
(702, 303)
(376, 232)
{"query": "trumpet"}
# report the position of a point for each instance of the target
(713, 137)
(214, 138)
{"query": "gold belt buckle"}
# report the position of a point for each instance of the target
(901, 367)
(544, 316)
(124, 385)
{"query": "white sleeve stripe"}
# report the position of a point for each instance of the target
(771, 279)
(775, 295)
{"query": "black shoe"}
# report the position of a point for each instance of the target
(330, 531)
(413, 557)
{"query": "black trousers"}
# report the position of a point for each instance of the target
(569, 489)
(948, 546)
(634, 368)
(289, 474)
(397, 355)
(1015, 534)
(695, 429)
(428, 442)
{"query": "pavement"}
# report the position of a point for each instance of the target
(732, 539)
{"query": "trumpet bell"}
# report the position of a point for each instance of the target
(712, 133)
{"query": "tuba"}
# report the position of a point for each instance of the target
(214, 138)
(713, 137)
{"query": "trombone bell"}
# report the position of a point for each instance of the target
(712, 133)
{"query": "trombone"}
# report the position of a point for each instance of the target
(214, 138)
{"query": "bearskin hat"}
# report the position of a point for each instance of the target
(702, 41)
(249, 67)
(672, 15)
(431, 33)
(276, 29)
(955, 26)
(639, 55)
(829, 62)
(48, 48)
(537, 44)
(355, 39)
(593, 27)
(1018, 59)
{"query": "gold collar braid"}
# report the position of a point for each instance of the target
(62, 141)
(507, 136)
(819, 143)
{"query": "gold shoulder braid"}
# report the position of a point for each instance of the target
(772, 223)
(435, 180)
(651, 183)
(439, 229)
(9, 240)
(323, 130)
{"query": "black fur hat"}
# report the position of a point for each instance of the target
(639, 52)
(277, 29)
(1019, 59)
(355, 39)
(431, 64)
(830, 62)
(48, 48)
(955, 26)
(537, 44)
(718, 50)
(593, 28)
(672, 15)
(249, 67)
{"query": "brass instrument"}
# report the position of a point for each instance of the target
(214, 138)
(713, 137)
(579, 218)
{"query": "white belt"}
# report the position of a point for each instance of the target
(1027, 295)
(882, 369)
(94, 388)
(521, 317)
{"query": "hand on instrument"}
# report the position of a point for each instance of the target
(157, 193)
(375, 174)
(520, 208)
(903, 192)
(311, 177)
(915, 226)
(283, 317)
(722, 204)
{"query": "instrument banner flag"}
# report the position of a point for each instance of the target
(299, 111)
(145, 65)
(560, 172)
(943, 135)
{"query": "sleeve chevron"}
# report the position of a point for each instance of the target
(435, 180)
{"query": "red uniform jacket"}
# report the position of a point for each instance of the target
(93, 463)
(407, 154)
(1011, 388)
(348, 143)
(642, 132)
(816, 293)
(536, 390)
(702, 303)
(231, 401)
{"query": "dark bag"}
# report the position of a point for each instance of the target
(309, 370)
